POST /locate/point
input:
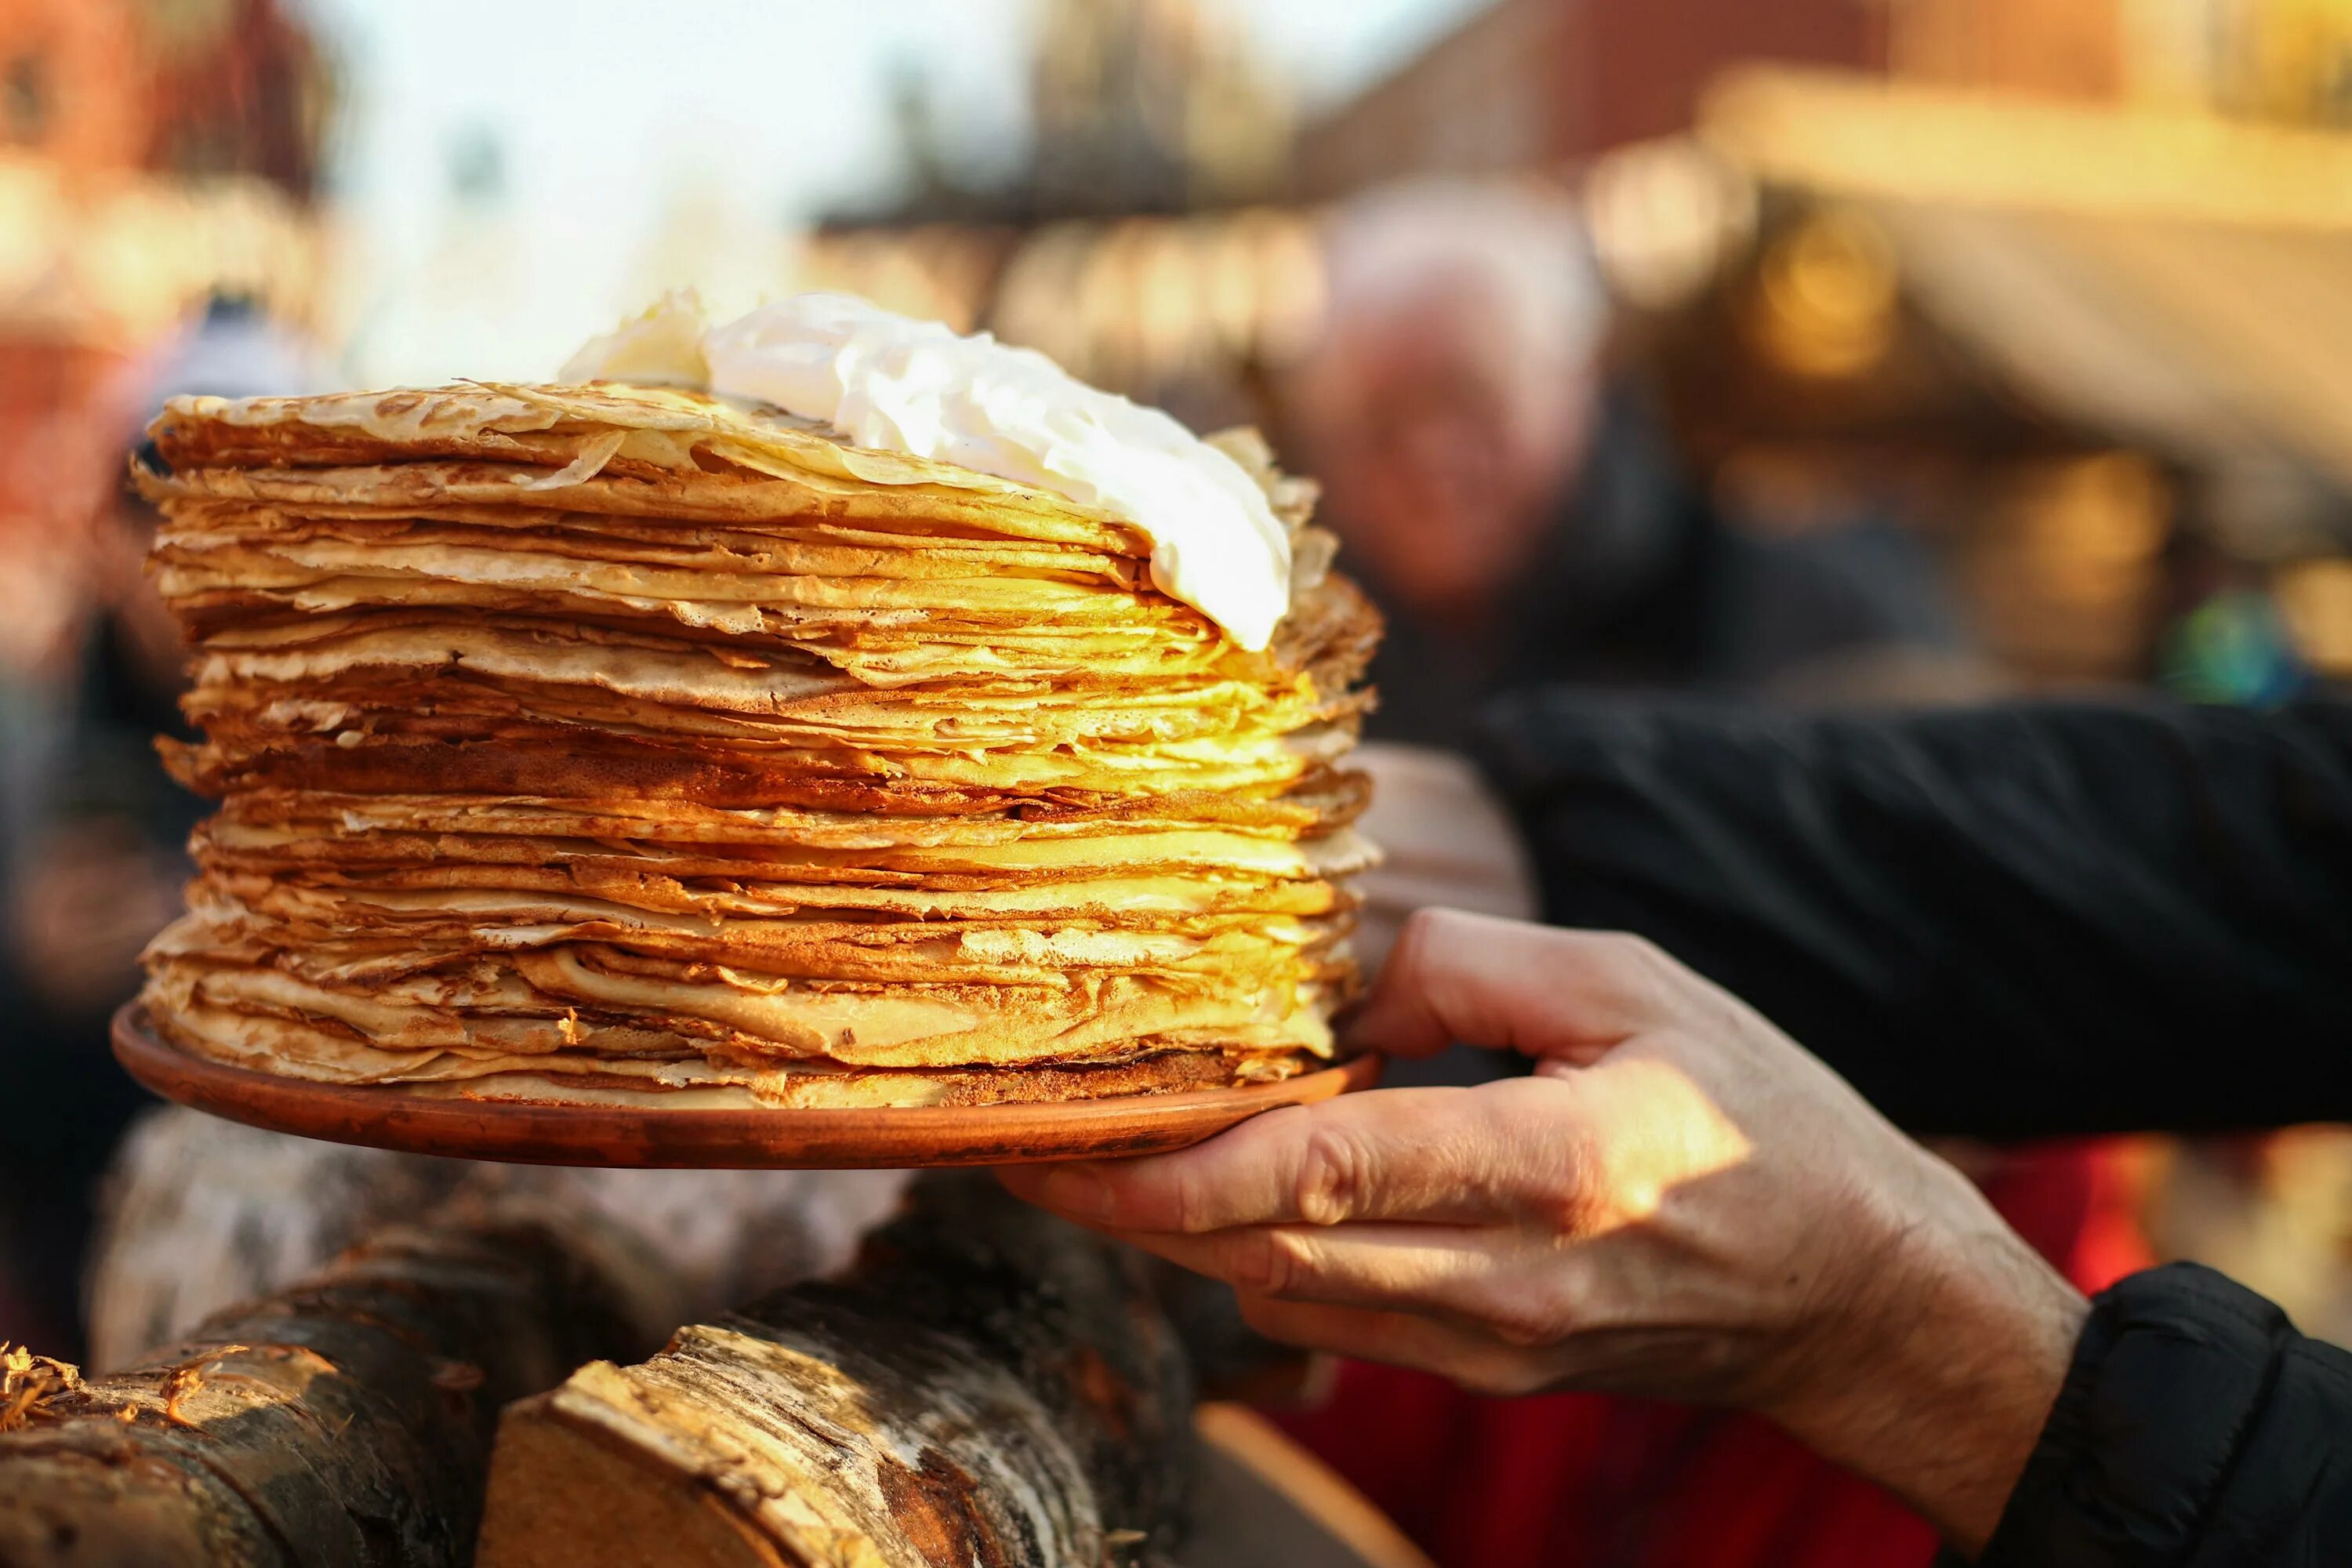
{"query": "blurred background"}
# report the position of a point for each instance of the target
(1803, 349)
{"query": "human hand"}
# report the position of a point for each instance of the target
(1445, 841)
(1679, 1201)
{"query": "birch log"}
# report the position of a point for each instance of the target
(343, 1423)
(988, 1387)
(201, 1213)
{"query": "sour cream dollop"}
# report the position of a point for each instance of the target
(889, 382)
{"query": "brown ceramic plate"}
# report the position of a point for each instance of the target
(711, 1139)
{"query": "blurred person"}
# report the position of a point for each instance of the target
(1680, 1201)
(97, 847)
(1517, 509)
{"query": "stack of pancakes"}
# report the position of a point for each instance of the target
(592, 744)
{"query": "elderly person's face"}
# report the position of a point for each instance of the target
(1445, 435)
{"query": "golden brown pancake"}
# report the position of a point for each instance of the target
(612, 745)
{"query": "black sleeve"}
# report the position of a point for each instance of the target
(2004, 921)
(2196, 1429)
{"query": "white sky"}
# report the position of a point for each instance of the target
(622, 122)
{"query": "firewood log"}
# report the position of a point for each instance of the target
(343, 1423)
(988, 1387)
(200, 1213)
(197, 1215)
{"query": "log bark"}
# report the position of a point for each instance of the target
(343, 1423)
(201, 1213)
(988, 1387)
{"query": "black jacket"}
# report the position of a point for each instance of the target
(2037, 919)
(1641, 582)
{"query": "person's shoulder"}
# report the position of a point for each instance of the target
(1869, 571)
(1793, 601)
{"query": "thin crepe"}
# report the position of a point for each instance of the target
(589, 743)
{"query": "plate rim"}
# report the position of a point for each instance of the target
(710, 1137)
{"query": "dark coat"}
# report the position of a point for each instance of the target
(2026, 919)
(1641, 583)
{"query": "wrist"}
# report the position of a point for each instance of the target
(1936, 1377)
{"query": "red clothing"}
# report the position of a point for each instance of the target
(1596, 1481)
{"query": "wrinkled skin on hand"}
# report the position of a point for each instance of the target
(1678, 1202)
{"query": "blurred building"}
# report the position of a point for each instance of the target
(2103, 350)
(1534, 83)
(1143, 243)
(1179, 310)
(1150, 106)
(1539, 83)
(1134, 106)
(151, 154)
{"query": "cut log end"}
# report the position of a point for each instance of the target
(990, 1388)
(562, 1483)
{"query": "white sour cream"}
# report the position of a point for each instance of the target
(886, 381)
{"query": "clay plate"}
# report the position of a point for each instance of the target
(711, 1140)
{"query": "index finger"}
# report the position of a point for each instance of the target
(1458, 1156)
(1543, 991)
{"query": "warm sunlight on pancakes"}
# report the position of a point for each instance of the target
(604, 745)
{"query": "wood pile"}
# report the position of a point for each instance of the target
(345, 1421)
(983, 1385)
